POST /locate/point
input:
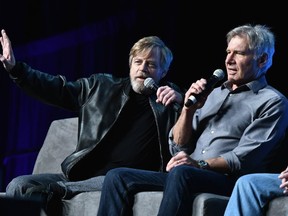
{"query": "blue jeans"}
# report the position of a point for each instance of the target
(18, 186)
(252, 193)
(179, 186)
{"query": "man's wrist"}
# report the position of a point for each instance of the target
(203, 164)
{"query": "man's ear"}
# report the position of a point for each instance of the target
(263, 59)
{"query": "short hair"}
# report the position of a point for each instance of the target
(147, 44)
(260, 40)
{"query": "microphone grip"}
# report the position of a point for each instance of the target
(209, 86)
(191, 100)
(217, 76)
(150, 83)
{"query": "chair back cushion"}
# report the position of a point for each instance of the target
(60, 141)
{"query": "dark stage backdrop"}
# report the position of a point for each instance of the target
(78, 39)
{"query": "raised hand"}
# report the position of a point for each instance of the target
(7, 57)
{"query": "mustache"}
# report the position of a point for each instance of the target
(142, 76)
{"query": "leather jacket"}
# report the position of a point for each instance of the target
(98, 110)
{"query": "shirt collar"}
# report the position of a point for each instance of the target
(254, 85)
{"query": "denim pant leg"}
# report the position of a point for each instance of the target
(120, 186)
(183, 182)
(252, 193)
(75, 187)
(18, 186)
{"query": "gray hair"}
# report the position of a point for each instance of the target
(260, 40)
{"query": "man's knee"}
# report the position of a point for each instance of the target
(14, 187)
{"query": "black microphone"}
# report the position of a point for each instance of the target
(217, 76)
(150, 83)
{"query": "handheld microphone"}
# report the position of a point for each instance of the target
(217, 76)
(150, 83)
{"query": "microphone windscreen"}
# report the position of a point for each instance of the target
(150, 83)
(219, 73)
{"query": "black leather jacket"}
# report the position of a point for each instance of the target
(97, 114)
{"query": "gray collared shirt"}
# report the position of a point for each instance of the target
(243, 126)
